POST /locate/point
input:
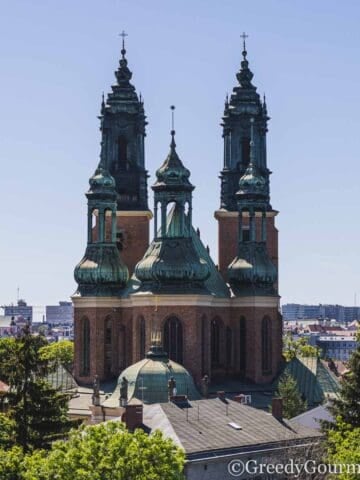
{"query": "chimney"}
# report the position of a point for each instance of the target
(133, 416)
(277, 408)
(221, 394)
(240, 398)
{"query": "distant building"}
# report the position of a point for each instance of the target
(337, 347)
(7, 326)
(298, 311)
(60, 314)
(22, 309)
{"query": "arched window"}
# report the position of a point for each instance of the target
(242, 345)
(108, 225)
(215, 342)
(122, 347)
(245, 151)
(266, 345)
(142, 337)
(173, 339)
(107, 346)
(85, 347)
(203, 346)
(122, 153)
(228, 347)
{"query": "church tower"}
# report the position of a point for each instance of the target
(244, 112)
(122, 128)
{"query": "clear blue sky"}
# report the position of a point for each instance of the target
(56, 59)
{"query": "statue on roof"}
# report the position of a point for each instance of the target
(124, 391)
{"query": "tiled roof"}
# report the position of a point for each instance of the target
(204, 426)
(4, 388)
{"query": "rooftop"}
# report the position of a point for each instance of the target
(214, 426)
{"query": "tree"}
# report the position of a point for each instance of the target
(343, 446)
(107, 452)
(7, 432)
(292, 402)
(347, 405)
(59, 353)
(38, 410)
(298, 348)
(11, 464)
(7, 351)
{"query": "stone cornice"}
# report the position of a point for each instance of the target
(151, 300)
(227, 214)
(134, 213)
(96, 302)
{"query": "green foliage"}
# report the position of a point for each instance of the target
(292, 402)
(11, 464)
(7, 432)
(347, 405)
(343, 445)
(107, 452)
(59, 353)
(38, 410)
(298, 348)
(7, 349)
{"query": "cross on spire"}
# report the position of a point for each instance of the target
(123, 34)
(244, 37)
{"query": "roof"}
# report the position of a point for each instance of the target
(205, 426)
(312, 418)
(61, 379)
(148, 381)
(4, 388)
(315, 382)
(215, 284)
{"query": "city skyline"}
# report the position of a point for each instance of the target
(51, 137)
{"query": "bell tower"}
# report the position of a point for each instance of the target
(245, 115)
(123, 123)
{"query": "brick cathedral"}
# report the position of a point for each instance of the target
(217, 319)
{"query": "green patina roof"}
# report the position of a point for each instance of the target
(172, 174)
(214, 284)
(314, 381)
(61, 379)
(148, 381)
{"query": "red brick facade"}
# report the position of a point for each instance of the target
(109, 359)
(226, 338)
(135, 241)
(228, 234)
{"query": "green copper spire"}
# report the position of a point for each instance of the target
(172, 263)
(243, 106)
(252, 271)
(245, 75)
(123, 130)
(172, 174)
(253, 187)
(101, 271)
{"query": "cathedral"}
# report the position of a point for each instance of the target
(216, 317)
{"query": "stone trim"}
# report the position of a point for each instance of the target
(226, 214)
(146, 300)
(134, 213)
